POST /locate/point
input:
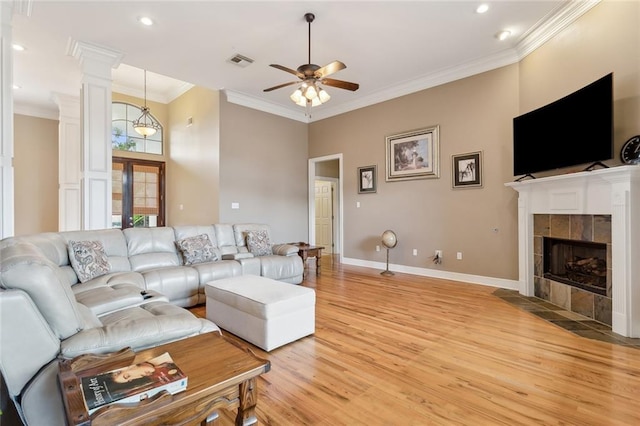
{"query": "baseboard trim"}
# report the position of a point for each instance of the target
(446, 275)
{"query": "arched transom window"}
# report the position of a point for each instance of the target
(125, 138)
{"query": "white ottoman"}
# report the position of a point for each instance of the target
(260, 310)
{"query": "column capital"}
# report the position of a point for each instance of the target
(95, 60)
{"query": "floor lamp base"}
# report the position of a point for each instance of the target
(387, 273)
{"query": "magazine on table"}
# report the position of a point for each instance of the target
(133, 383)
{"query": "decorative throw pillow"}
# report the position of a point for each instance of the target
(88, 259)
(258, 243)
(196, 249)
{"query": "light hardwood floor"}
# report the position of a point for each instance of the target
(409, 350)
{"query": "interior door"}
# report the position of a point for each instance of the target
(324, 215)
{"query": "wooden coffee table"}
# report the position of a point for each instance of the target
(306, 251)
(220, 373)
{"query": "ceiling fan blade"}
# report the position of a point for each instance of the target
(289, 70)
(340, 84)
(280, 86)
(329, 69)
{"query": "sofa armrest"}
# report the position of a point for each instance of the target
(284, 249)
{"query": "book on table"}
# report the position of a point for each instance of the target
(133, 383)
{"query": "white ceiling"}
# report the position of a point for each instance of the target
(391, 48)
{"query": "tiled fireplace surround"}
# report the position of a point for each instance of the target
(568, 205)
(589, 228)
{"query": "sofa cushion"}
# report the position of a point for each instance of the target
(259, 243)
(196, 249)
(113, 241)
(88, 259)
(151, 248)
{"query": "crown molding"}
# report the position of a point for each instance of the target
(161, 97)
(39, 111)
(242, 99)
(447, 75)
(558, 20)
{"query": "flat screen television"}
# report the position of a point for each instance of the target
(576, 129)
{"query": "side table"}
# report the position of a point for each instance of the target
(306, 251)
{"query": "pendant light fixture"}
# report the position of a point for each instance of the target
(145, 125)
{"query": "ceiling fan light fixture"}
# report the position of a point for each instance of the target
(311, 92)
(323, 95)
(295, 96)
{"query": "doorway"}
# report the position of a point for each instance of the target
(325, 203)
(138, 193)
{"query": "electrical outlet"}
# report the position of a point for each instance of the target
(459, 255)
(438, 254)
(377, 248)
(415, 252)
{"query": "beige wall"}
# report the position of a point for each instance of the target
(329, 168)
(263, 168)
(474, 114)
(193, 167)
(35, 174)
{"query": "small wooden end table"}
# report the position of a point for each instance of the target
(221, 374)
(306, 251)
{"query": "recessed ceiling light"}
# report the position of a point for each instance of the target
(482, 8)
(502, 35)
(145, 20)
(17, 47)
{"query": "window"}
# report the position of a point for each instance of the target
(125, 138)
(137, 193)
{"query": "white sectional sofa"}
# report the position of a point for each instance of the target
(69, 293)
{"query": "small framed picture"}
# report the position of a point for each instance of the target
(367, 179)
(467, 170)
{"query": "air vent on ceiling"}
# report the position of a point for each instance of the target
(241, 60)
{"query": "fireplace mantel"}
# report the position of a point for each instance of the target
(614, 191)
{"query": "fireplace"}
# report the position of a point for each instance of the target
(579, 264)
(559, 207)
(571, 269)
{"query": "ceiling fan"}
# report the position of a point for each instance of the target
(309, 92)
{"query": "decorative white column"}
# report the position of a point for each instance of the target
(69, 163)
(96, 62)
(6, 123)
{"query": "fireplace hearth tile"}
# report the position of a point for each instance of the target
(570, 321)
(570, 325)
(541, 288)
(549, 315)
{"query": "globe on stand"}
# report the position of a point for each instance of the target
(389, 241)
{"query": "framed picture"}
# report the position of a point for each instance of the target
(367, 179)
(467, 170)
(413, 155)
